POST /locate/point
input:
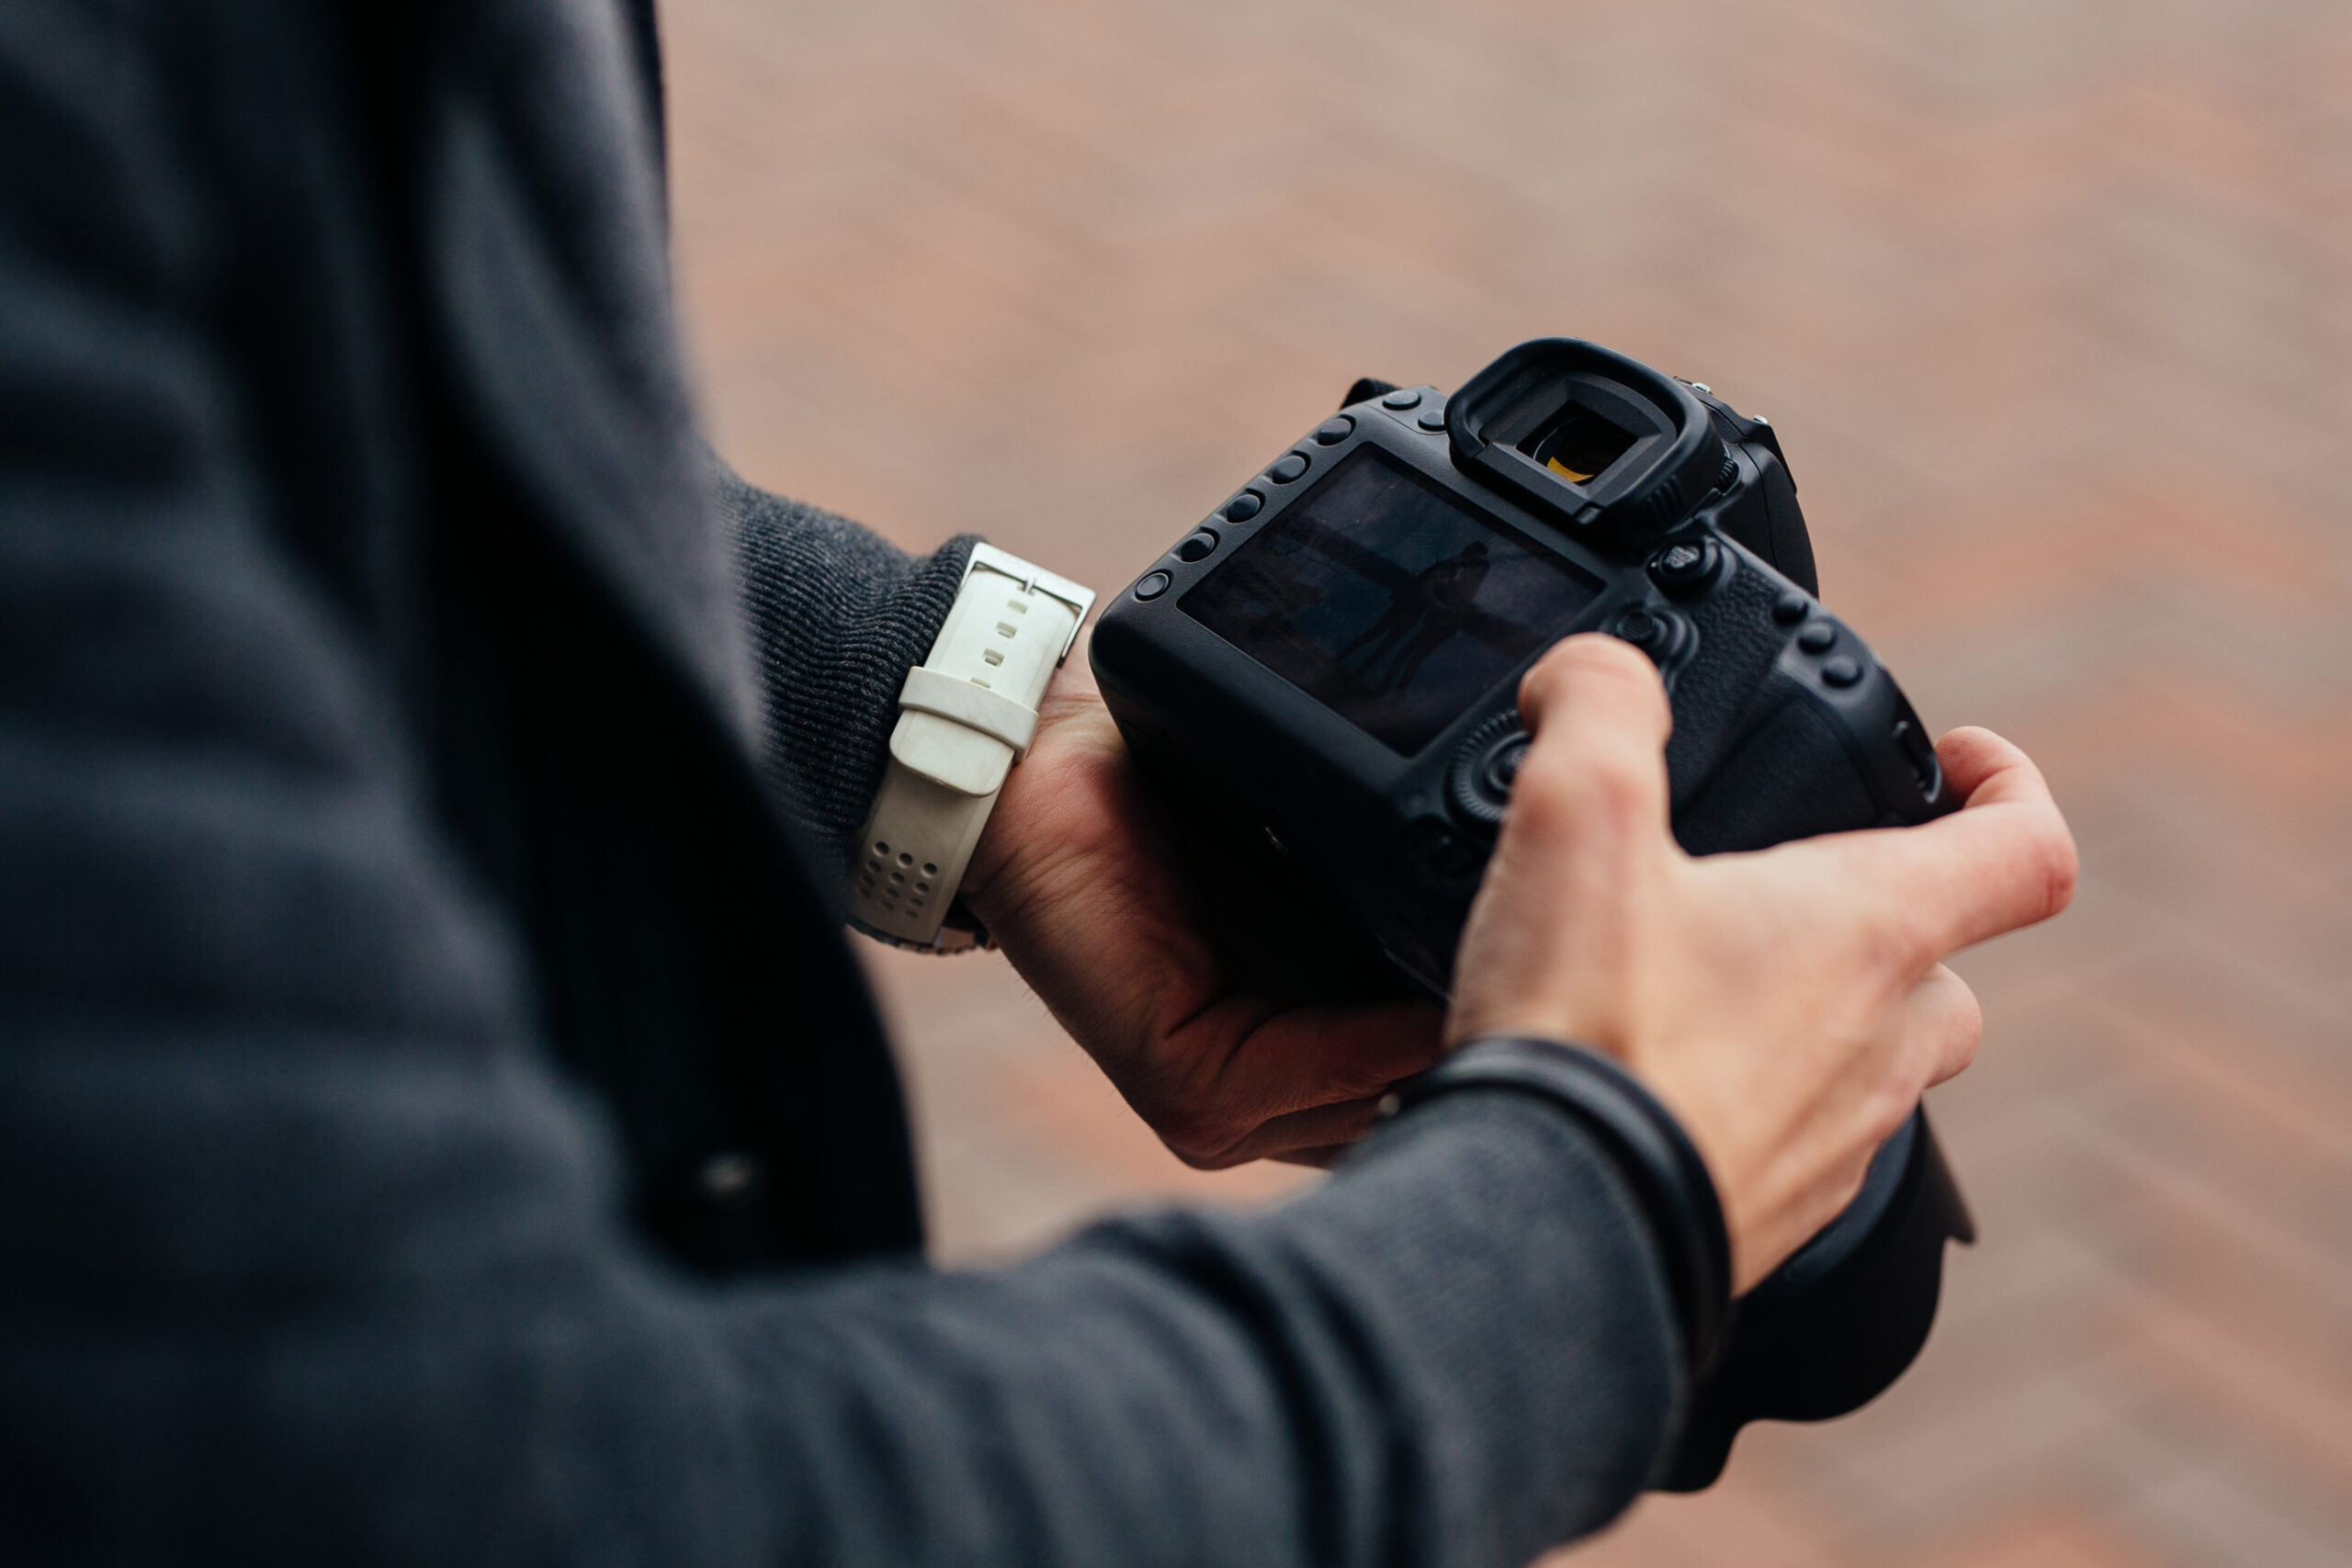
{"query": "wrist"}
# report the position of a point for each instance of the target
(1652, 1151)
(1036, 843)
(1009, 827)
(968, 713)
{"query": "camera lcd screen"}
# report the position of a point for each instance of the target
(1388, 601)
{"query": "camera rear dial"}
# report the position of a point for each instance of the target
(1484, 769)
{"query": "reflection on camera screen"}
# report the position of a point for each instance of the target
(1388, 601)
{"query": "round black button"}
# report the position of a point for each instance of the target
(1243, 507)
(1501, 767)
(1288, 468)
(728, 1179)
(1817, 637)
(1402, 397)
(1790, 607)
(1685, 565)
(1433, 417)
(1641, 629)
(1840, 671)
(1331, 432)
(1153, 586)
(1197, 546)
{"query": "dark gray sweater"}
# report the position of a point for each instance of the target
(422, 787)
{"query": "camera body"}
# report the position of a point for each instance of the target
(1320, 681)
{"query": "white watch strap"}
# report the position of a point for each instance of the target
(966, 715)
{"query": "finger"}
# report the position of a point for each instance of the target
(1252, 1063)
(1597, 762)
(1944, 1025)
(1600, 675)
(2006, 861)
(1977, 762)
(1317, 1137)
(1359, 1049)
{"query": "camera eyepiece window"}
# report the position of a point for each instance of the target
(1337, 675)
(1578, 444)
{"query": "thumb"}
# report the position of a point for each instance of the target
(1583, 840)
(1596, 771)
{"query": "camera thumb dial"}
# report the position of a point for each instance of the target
(1479, 780)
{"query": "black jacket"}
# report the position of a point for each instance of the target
(431, 1071)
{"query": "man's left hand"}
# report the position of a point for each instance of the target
(1079, 884)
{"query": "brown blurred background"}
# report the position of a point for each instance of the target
(2052, 301)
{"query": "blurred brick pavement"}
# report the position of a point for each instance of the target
(2053, 302)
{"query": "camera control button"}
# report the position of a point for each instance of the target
(1926, 767)
(1790, 607)
(1197, 546)
(1685, 566)
(1153, 585)
(1433, 417)
(1243, 507)
(1402, 397)
(1500, 770)
(1817, 637)
(1840, 671)
(1641, 629)
(1480, 779)
(1331, 432)
(1288, 468)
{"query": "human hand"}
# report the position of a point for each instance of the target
(1188, 1014)
(1789, 1005)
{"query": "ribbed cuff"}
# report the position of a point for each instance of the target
(1499, 1244)
(1660, 1160)
(838, 617)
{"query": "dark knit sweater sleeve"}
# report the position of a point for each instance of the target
(838, 617)
(1459, 1352)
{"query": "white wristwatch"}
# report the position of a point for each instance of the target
(967, 714)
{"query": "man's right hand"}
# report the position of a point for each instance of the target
(1788, 1005)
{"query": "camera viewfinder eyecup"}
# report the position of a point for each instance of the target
(1620, 452)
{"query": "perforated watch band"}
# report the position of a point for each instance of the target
(966, 715)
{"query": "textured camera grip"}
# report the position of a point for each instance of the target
(1715, 695)
(1790, 777)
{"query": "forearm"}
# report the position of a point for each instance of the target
(1457, 1352)
(1454, 1354)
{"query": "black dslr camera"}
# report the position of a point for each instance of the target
(1321, 682)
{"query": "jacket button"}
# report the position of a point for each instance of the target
(729, 1178)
